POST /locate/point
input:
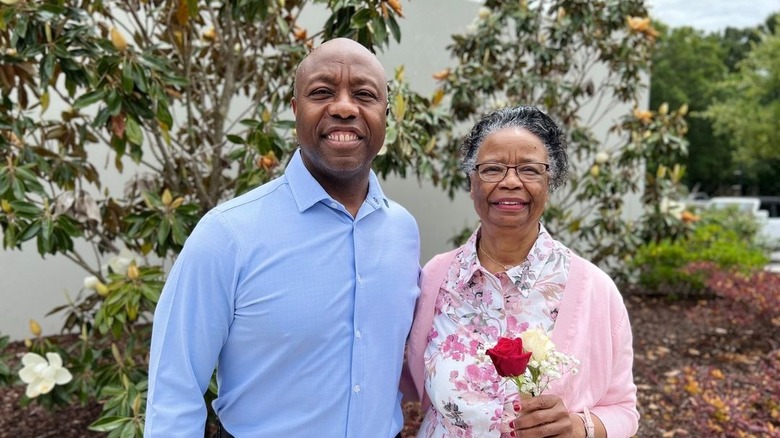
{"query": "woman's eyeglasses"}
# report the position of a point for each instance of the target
(526, 172)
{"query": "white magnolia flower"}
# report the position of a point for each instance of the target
(91, 282)
(672, 208)
(602, 157)
(41, 374)
(121, 262)
(538, 343)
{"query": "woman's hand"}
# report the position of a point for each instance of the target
(543, 416)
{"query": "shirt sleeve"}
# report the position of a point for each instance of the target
(191, 323)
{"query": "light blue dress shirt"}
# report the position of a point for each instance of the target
(304, 308)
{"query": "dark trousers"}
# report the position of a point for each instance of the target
(222, 433)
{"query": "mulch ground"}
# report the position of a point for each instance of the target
(667, 335)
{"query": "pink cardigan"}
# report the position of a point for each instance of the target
(592, 326)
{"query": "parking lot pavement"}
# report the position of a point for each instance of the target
(774, 265)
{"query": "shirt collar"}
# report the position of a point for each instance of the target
(541, 250)
(306, 191)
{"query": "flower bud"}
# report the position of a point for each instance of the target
(210, 34)
(167, 198)
(683, 109)
(442, 75)
(133, 272)
(91, 282)
(27, 342)
(35, 328)
(663, 109)
(6, 206)
(101, 289)
(177, 203)
(9, 2)
(484, 13)
(118, 40)
(602, 157)
(594, 171)
(395, 5)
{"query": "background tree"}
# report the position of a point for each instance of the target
(699, 69)
(545, 53)
(686, 64)
(748, 111)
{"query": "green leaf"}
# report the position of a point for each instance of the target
(47, 69)
(133, 131)
(163, 232)
(235, 139)
(380, 29)
(127, 77)
(107, 424)
(179, 235)
(128, 431)
(361, 18)
(89, 98)
(394, 28)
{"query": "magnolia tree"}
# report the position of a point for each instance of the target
(188, 101)
(578, 60)
(185, 99)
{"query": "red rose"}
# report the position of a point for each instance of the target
(509, 358)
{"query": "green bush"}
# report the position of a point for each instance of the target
(725, 238)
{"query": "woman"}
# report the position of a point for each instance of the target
(511, 275)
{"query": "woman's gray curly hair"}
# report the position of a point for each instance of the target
(526, 117)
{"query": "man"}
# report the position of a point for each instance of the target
(301, 291)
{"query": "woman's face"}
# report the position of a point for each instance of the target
(511, 203)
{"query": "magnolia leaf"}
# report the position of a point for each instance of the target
(133, 131)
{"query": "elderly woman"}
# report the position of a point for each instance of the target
(511, 276)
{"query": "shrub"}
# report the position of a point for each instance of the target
(725, 239)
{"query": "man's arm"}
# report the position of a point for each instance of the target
(191, 323)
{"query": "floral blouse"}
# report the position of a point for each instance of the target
(473, 309)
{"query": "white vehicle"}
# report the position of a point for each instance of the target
(765, 209)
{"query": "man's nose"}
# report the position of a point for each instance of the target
(343, 106)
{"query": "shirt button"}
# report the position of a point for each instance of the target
(356, 388)
(333, 205)
(358, 334)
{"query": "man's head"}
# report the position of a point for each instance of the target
(339, 106)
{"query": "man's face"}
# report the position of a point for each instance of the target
(339, 107)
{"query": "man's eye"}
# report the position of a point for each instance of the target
(365, 95)
(321, 92)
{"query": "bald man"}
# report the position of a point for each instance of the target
(300, 292)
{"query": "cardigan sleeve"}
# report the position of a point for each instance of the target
(617, 409)
(593, 325)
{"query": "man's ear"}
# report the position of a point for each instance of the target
(294, 105)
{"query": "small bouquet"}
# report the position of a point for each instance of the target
(531, 361)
